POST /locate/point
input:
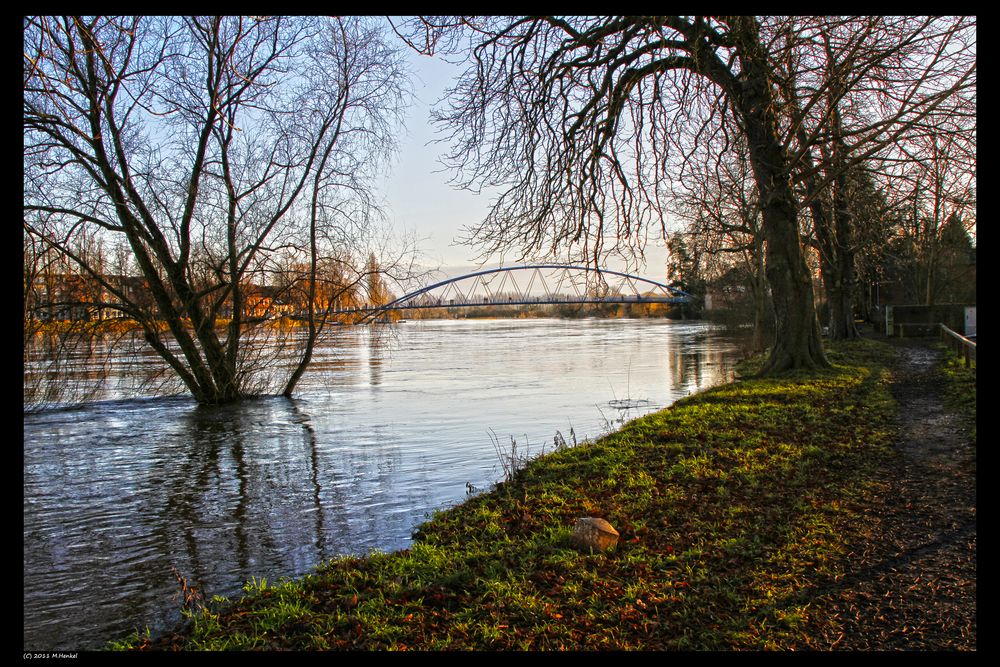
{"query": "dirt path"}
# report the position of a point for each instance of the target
(916, 588)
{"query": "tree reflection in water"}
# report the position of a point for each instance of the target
(119, 494)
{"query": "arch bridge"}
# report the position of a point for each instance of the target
(543, 284)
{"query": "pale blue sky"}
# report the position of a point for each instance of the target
(420, 199)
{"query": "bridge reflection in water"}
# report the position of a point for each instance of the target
(543, 284)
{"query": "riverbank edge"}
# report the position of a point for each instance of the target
(119, 326)
(735, 506)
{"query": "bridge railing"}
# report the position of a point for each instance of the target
(422, 297)
(964, 347)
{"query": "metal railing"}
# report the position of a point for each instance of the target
(964, 347)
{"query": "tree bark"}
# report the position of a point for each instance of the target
(841, 289)
(833, 241)
(797, 341)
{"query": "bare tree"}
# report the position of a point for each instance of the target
(576, 117)
(934, 183)
(578, 121)
(855, 90)
(207, 145)
(717, 198)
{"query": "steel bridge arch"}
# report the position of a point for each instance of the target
(676, 295)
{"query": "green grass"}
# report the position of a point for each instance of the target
(960, 389)
(732, 505)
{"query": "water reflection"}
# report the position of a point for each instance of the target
(119, 494)
(698, 362)
(76, 366)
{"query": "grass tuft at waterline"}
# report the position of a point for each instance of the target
(735, 507)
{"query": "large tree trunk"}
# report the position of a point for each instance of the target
(836, 264)
(839, 285)
(762, 310)
(797, 340)
(840, 290)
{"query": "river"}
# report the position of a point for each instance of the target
(124, 495)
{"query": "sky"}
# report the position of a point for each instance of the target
(420, 199)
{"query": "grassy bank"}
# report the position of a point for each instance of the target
(960, 389)
(734, 507)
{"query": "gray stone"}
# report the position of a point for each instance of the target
(594, 534)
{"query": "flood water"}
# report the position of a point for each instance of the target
(122, 496)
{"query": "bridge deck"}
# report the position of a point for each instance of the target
(541, 301)
(643, 290)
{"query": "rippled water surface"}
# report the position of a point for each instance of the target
(121, 494)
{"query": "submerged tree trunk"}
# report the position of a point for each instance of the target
(177, 140)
